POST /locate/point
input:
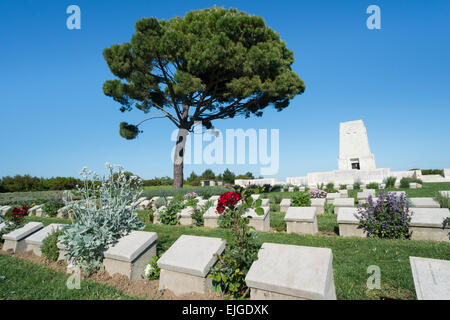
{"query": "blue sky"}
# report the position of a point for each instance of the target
(55, 118)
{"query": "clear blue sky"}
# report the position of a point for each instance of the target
(55, 118)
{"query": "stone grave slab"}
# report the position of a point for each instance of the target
(343, 203)
(301, 220)
(130, 254)
(210, 218)
(15, 240)
(424, 203)
(427, 223)
(186, 216)
(186, 264)
(260, 223)
(34, 242)
(319, 204)
(348, 221)
(431, 278)
(285, 204)
(285, 272)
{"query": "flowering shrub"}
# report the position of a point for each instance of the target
(107, 212)
(17, 215)
(389, 217)
(49, 246)
(13, 220)
(301, 199)
(233, 264)
(190, 195)
(228, 199)
(152, 271)
(316, 193)
(199, 211)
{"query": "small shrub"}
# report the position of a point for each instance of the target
(388, 218)
(152, 271)
(390, 182)
(49, 246)
(277, 198)
(404, 182)
(372, 185)
(52, 206)
(301, 199)
(444, 202)
(191, 202)
(170, 215)
(199, 211)
(161, 201)
(357, 185)
(342, 187)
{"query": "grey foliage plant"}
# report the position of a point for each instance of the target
(106, 212)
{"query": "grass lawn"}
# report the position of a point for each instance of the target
(351, 256)
(20, 279)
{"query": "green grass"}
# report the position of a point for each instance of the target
(24, 280)
(351, 256)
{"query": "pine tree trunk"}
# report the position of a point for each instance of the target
(179, 158)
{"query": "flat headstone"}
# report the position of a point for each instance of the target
(382, 186)
(128, 248)
(192, 255)
(38, 237)
(429, 217)
(304, 214)
(348, 216)
(294, 271)
(332, 196)
(265, 202)
(285, 202)
(431, 278)
(445, 194)
(252, 213)
(23, 232)
(424, 203)
(255, 196)
(145, 204)
(343, 193)
(349, 187)
(397, 193)
(5, 210)
(291, 189)
(2, 225)
(186, 212)
(343, 203)
(214, 198)
(413, 185)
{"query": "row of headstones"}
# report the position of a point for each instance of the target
(412, 185)
(281, 271)
(211, 217)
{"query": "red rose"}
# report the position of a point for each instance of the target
(227, 199)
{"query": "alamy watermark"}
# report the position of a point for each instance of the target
(374, 20)
(74, 20)
(235, 146)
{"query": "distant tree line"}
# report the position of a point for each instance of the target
(29, 183)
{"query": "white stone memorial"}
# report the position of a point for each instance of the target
(288, 272)
(331, 196)
(319, 204)
(260, 223)
(285, 204)
(211, 217)
(343, 203)
(186, 216)
(265, 203)
(34, 242)
(427, 223)
(130, 254)
(301, 220)
(15, 240)
(348, 221)
(186, 264)
(431, 278)
(424, 203)
(343, 193)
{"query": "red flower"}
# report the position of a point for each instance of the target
(227, 199)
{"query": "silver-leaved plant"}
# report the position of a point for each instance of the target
(106, 212)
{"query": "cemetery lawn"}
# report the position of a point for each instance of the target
(351, 256)
(21, 279)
